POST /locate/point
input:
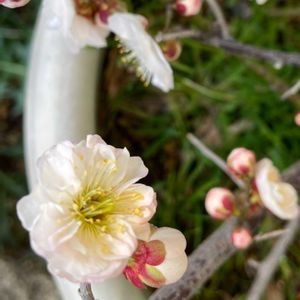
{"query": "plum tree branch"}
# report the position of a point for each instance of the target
(212, 253)
(267, 268)
(217, 11)
(85, 291)
(235, 48)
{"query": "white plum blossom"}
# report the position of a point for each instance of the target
(159, 259)
(142, 50)
(88, 24)
(13, 3)
(84, 209)
(279, 197)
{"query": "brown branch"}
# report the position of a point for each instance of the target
(85, 291)
(235, 48)
(267, 268)
(211, 254)
(217, 11)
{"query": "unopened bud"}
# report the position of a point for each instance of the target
(241, 238)
(241, 161)
(188, 7)
(219, 203)
(172, 50)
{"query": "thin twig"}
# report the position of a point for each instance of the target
(211, 254)
(85, 291)
(169, 14)
(269, 235)
(217, 11)
(292, 91)
(267, 268)
(214, 158)
(234, 47)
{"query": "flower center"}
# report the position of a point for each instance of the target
(92, 9)
(93, 206)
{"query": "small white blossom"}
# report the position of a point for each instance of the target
(82, 211)
(279, 197)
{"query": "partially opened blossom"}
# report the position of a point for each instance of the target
(241, 161)
(219, 203)
(142, 50)
(188, 7)
(279, 197)
(83, 210)
(13, 3)
(159, 258)
(89, 23)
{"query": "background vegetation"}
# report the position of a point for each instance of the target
(224, 100)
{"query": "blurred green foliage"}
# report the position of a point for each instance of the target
(225, 100)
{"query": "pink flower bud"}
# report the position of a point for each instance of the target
(297, 118)
(13, 3)
(241, 238)
(241, 161)
(188, 7)
(219, 203)
(172, 50)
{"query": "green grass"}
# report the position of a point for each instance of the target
(214, 92)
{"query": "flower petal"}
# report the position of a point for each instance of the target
(130, 29)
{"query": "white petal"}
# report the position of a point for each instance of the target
(56, 170)
(28, 210)
(137, 203)
(85, 33)
(173, 239)
(130, 29)
(173, 268)
(93, 140)
(175, 263)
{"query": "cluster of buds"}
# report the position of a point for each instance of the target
(263, 187)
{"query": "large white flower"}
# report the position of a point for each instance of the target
(83, 209)
(13, 3)
(142, 50)
(279, 197)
